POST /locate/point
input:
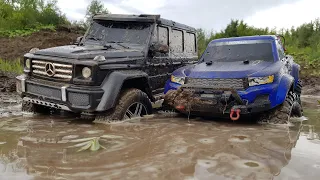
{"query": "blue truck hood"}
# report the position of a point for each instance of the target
(224, 69)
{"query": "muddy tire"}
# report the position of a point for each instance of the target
(298, 90)
(29, 107)
(132, 103)
(281, 114)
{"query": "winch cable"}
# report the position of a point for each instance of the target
(225, 107)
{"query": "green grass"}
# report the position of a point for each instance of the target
(11, 66)
(309, 60)
(24, 32)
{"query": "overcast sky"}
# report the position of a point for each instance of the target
(209, 14)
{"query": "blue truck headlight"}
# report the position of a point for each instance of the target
(255, 81)
(179, 80)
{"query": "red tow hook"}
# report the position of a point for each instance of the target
(237, 111)
(180, 107)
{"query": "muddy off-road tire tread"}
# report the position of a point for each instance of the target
(281, 115)
(127, 97)
(29, 107)
(298, 90)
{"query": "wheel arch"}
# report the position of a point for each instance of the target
(140, 83)
(295, 73)
(119, 80)
(286, 84)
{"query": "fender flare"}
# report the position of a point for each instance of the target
(286, 84)
(295, 73)
(112, 85)
(295, 69)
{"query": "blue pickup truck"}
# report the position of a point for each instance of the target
(239, 76)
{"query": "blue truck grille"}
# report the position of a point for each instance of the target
(238, 84)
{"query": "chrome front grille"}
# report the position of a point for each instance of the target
(59, 71)
(238, 84)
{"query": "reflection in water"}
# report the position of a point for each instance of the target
(154, 148)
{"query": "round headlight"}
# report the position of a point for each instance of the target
(28, 63)
(86, 72)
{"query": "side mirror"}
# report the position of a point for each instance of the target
(159, 48)
(79, 39)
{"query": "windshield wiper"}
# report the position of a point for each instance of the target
(119, 44)
(214, 60)
(92, 37)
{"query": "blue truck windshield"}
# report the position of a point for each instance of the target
(121, 32)
(239, 51)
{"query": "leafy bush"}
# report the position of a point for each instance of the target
(29, 14)
(23, 17)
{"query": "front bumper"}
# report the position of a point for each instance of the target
(59, 95)
(214, 102)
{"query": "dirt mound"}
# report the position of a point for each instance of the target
(7, 82)
(311, 86)
(13, 48)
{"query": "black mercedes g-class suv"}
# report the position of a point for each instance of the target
(114, 72)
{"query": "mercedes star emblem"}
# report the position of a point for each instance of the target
(50, 69)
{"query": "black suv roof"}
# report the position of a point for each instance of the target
(143, 18)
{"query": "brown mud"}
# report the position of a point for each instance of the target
(7, 82)
(15, 48)
(161, 146)
(311, 85)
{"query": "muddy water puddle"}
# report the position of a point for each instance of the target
(157, 147)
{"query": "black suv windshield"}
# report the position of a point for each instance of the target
(119, 32)
(239, 51)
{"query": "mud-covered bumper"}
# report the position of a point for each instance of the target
(254, 107)
(217, 103)
(59, 95)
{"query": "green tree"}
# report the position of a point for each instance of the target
(24, 14)
(95, 7)
(232, 29)
(201, 41)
